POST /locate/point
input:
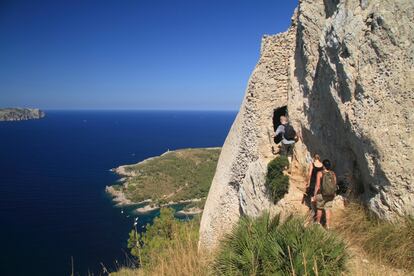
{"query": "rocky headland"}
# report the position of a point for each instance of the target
(20, 114)
(175, 177)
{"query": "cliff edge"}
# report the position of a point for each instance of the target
(344, 73)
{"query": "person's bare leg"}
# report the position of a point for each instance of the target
(318, 216)
(328, 218)
(289, 169)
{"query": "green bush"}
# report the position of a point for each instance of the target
(164, 232)
(265, 246)
(277, 184)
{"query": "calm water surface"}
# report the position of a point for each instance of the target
(52, 177)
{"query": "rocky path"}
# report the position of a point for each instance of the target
(292, 201)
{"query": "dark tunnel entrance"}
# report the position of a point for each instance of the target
(281, 111)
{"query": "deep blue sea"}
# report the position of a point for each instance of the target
(53, 173)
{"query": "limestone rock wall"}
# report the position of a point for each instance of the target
(352, 92)
(345, 69)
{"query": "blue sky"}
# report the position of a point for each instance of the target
(142, 54)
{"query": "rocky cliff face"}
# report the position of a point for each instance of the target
(20, 114)
(345, 72)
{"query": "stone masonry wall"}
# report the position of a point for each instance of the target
(238, 185)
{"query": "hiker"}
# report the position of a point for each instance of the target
(315, 167)
(325, 190)
(288, 137)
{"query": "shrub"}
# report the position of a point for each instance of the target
(265, 246)
(277, 184)
(165, 233)
(385, 241)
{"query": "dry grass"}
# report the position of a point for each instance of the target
(376, 248)
(181, 258)
(383, 242)
(360, 264)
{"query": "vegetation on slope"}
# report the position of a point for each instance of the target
(261, 246)
(165, 230)
(267, 246)
(168, 247)
(277, 184)
(174, 176)
(255, 247)
(392, 243)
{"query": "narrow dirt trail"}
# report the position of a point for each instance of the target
(292, 202)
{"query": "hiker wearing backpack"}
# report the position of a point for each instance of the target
(315, 167)
(325, 191)
(288, 137)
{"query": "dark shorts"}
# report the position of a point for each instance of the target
(287, 149)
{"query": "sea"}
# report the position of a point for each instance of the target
(55, 217)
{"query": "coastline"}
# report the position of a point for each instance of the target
(120, 199)
(20, 114)
(191, 211)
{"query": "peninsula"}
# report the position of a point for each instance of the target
(180, 176)
(20, 114)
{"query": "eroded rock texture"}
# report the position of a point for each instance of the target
(238, 185)
(353, 91)
(345, 70)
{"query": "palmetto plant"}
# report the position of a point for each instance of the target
(266, 246)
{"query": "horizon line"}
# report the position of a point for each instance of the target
(137, 109)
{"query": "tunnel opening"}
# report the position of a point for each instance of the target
(277, 113)
(281, 111)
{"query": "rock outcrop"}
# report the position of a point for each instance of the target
(20, 114)
(345, 72)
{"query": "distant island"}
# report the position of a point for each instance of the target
(180, 176)
(20, 114)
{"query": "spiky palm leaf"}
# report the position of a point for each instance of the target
(265, 246)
